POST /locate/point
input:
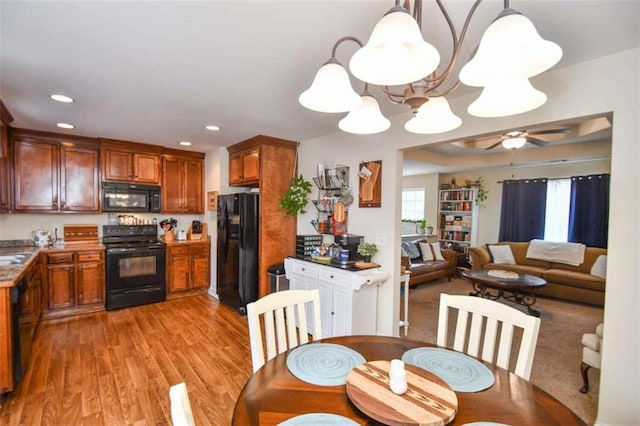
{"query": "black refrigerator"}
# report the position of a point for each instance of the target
(237, 255)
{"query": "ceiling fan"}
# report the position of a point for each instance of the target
(517, 138)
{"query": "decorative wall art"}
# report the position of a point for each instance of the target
(370, 174)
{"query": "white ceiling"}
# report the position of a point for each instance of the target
(158, 72)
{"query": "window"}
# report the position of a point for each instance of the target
(556, 220)
(413, 204)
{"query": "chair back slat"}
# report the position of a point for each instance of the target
(181, 414)
(283, 317)
(493, 315)
(490, 336)
(475, 335)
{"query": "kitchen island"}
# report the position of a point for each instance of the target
(348, 299)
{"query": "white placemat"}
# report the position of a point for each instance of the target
(318, 419)
(324, 364)
(462, 372)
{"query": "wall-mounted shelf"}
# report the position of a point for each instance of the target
(334, 198)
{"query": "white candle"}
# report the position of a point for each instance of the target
(397, 377)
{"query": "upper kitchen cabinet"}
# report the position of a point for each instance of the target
(125, 162)
(273, 160)
(244, 166)
(183, 183)
(54, 173)
(5, 193)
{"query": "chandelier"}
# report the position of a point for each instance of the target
(510, 52)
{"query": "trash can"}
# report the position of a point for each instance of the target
(277, 279)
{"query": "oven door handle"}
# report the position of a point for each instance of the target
(122, 250)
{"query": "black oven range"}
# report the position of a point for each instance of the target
(135, 272)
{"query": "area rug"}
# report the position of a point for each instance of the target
(556, 367)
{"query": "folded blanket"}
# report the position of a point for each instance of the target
(551, 251)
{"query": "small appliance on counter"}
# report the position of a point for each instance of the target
(347, 255)
(181, 235)
(42, 238)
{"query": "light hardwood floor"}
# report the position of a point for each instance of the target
(115, 367)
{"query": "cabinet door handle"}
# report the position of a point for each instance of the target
(331, 276)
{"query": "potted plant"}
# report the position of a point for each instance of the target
(297, 196)
(481, 193)
(366, 250)
(422, 224)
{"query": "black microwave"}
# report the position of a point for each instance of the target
(125, 197)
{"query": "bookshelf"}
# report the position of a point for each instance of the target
(458, 219)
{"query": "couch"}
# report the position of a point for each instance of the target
(422, 271)
(568, 282)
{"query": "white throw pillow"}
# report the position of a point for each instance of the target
(426, 251)
(436, 251)
(502, 254)
(599, 268)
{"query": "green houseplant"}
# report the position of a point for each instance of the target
(295, 199)
(366, 250)
(481, 193)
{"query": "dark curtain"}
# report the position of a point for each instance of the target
(589, 210)
(523, 209)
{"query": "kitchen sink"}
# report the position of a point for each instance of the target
(13, 259)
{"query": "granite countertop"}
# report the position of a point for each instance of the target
(10, 275)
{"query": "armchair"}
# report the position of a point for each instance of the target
(592, 343)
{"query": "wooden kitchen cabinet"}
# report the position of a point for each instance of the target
(127, 166)
(29, 301)
(244, 167)
(188, 268)
(5, 194)
(54, 174)
(182, 184)
(75, 283)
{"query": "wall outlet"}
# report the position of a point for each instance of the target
(379, 239)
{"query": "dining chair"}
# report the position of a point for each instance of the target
(284, 318)
(493, 315)
(181, 414)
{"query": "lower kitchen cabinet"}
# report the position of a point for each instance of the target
(188, 268)
(75, 283)
(26, 295)
(348, 299)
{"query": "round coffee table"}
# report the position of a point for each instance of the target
(520, 289)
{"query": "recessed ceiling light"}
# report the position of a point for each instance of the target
(212, 127)
(66, 126)
(61, 98)
(185, 143)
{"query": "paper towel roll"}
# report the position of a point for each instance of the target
(377, 277)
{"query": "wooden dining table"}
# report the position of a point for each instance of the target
(273, 395)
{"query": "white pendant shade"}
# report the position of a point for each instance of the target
(514, 143)
(365, 119)
(434, 116)
(510, 48)
(396, 52)
(510, 97)
(330, 91)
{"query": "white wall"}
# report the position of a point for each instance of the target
(380, 225)
(430, 185)
(608, 84)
